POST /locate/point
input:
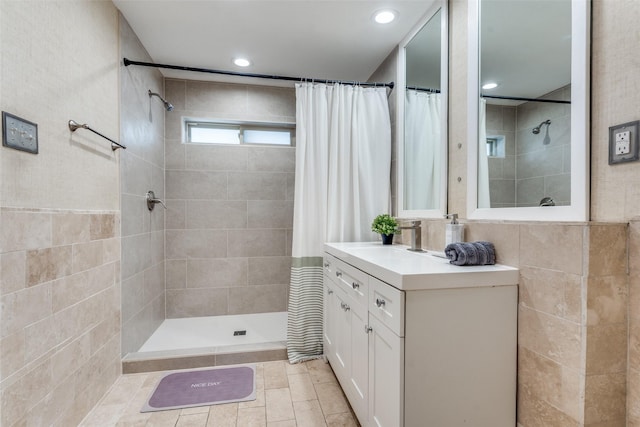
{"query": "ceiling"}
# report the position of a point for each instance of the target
(525, 48)
(330, 39)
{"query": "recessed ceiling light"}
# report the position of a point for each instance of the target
(384, 16)
(490, 85)
(242, 62)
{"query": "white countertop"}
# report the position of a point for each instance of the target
(407, 270)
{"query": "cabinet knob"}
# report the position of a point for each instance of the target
(326, 264)
(380, 302)
(367, 329)
(338, 273)
(355, 285)
(345, 306)
(329, 291)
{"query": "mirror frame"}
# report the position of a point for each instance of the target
(580, 96)
(400, 104)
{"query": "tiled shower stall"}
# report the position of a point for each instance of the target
(230, 208)
(224, 241)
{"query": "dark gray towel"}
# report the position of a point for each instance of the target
(471, 253)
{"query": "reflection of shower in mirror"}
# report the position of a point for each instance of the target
(536, 130)
(547, 201)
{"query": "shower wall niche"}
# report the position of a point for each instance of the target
(230, 208)
(529, 169)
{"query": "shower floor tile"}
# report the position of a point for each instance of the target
(285, 394)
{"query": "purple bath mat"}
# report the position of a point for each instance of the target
(203, 387)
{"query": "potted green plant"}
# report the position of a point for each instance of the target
(386, 226)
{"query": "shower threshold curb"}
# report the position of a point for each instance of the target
(134, 363)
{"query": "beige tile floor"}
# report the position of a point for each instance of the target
(303, 395)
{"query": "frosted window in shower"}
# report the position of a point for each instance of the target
(213, 135)
(272, 137)
(211, 132)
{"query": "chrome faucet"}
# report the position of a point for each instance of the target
(416, 235)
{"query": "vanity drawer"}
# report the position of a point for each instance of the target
(386, 303)
(353, 281)
(329, 266)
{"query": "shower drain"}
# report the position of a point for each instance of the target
(237, 333)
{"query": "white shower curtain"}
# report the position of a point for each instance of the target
(343, 163)
(423, 145)
(484, 199)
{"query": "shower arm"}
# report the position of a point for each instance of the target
(536, 130)
(167, 105)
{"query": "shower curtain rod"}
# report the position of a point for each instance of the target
(423, 89)
(517, 98)
(128, 62)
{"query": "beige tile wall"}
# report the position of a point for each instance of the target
(53, 72)
(614, 189)
(60, 314)
(59, 212)
(633, 384)
(615, 94)
(457, 160)
(606, 325)
(142, 169)
(230, 208)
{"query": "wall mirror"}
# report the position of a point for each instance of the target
(422, 117)
(528, 109)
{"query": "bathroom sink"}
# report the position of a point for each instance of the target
(403, 249)
(396, 249)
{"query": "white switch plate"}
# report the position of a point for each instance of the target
(623, 143)
(19, 133)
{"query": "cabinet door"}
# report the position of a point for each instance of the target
(329, 317)
(357, 389)
(386, 376)
(342, 337)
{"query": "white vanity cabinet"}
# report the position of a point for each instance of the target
(417, 342)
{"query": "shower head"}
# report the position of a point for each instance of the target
(167, 105)
(536, 130)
